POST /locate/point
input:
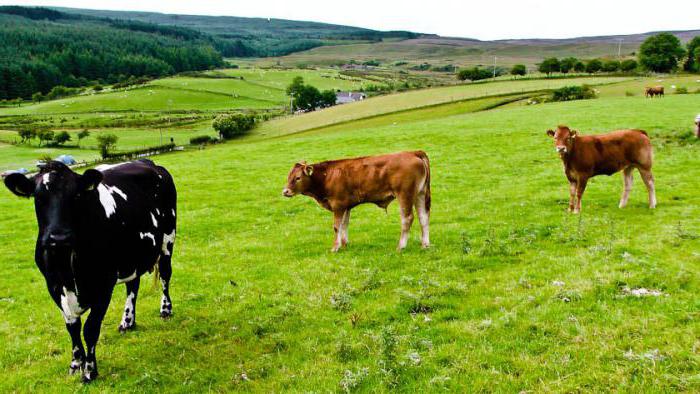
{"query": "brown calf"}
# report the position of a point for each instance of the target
(340, 185)
(590, 155)
(653, 91)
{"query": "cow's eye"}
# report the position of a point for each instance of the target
(297, 178)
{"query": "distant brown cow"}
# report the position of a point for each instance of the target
(697, 126)
(590, 155)
(340, 185)
(653, 91)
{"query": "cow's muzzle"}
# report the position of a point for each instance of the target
(561, 149)
(287, 193)
(59, 240)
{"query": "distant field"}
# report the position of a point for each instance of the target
(414, 99)
(323, 79)
(452, 51)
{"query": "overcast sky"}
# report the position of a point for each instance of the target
(482, 19)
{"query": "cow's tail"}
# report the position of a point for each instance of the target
(426, 163)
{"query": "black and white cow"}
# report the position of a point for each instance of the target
(108, 226)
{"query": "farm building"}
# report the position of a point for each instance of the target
(349, 97)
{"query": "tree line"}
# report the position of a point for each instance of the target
(38, 55)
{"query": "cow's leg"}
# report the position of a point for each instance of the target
(165, 269)
(73, 326)
(424, 219)
(572, 196)
(91, 333)
(580, 188)
(627, 179)
(406, 209)
(337, 228)
(78, 351)
(344, 228)
(648, 179)
(129, 316)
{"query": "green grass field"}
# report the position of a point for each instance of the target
(516, 295)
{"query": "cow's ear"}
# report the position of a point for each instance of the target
(20, 185)
(573, 133)
(89, 180)
(550, 133)
(308, 170)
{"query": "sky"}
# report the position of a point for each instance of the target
(481, 19)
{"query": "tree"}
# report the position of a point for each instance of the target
(549, 66)
(307, 99)
(106, 143)
(593, 66)
(692, 62)
(628, 65)
(61, 138)
(230, 126)
(567, 64)
(518, 69)
(579, 67)
(328, 98)
(661, 53)
(295, 87)
(83, 134)
(44, 135)
(26, 134)
(611, 66)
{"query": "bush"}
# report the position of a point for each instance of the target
(611, 66)
(201, 140)
(448, 68)
(628, 65)
(681, 90)
(373, 63)
(231, 126)
(629, 94)
(518, 69)
(568, 93)
(593, 66)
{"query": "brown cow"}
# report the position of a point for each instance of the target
(340, 185)
(697, 126)
(590, 155)
(653, 91)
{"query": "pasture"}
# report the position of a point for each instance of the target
(515, 295)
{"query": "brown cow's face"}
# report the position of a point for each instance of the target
(563, 139)
(298, 180)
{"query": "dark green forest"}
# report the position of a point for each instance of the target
(42, 49)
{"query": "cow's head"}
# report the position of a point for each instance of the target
(563, 139)
(298, 180)
(57, 193)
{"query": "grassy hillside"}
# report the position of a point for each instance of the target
(515, 295)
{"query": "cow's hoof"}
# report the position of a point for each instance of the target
(89, 377)
(426, 246)
(165, 315)
(74, 368)
(124, 327)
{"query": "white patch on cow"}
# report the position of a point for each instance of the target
(158, 211)
(107, 198)
(107, 167)
(155, 222)
(148, 235)
(173, 213)
(132, 276)
(128, 317)
(70, 306)
(45, 179)
(168, 239)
